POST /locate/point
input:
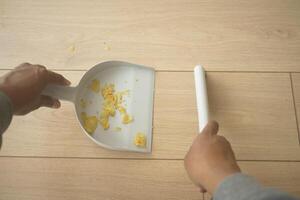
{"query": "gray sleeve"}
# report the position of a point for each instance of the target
(242, 187)
(6, 112)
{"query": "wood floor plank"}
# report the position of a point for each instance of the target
(258, 35)
(53, 178)
(27, 178)
(296, 90)
(255, 111)
(275, 174)
(249, 107)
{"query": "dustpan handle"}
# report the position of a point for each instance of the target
(60, 92)
(201, 97)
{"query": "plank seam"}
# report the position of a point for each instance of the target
(213, 71)
(295, 107)
(154, 159)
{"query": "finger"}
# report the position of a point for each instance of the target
(57, 79)
(47, 101)
(211, 128)
(24, 65)
(41, 67)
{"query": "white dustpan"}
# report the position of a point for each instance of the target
(138, 80)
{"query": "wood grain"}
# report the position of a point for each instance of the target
(45, 178)
(258, 35)
(40, 178)
(296, 92)
(258, 121)
(255, 110)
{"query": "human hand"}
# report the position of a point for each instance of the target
(210, 159)
(24, 85)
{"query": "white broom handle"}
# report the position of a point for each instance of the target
(201, 96)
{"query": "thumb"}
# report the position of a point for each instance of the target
(210, 129)
(47, 101)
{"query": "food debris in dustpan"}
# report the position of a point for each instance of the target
(90, 123)
(140, 140)
(126, 119)
(95, 86)
(113, 101)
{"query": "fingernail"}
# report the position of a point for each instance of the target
(56, 104)
(67, 82)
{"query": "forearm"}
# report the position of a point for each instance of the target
(6, 113)
(243, 187)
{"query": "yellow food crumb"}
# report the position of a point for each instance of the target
(106, 46)
(104, 121)
(118, 129)
(140, 140)
(126, 119)
(108, 91)
(112, 102)
(72, 48)
(82, 103)
(95, 86)
(122, 110)
(118, 99)
(109, 109)
(90, 123)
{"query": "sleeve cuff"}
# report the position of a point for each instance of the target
(6, 112)
(236, 186)
(243, 187)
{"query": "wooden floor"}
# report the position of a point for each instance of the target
(250, 49)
